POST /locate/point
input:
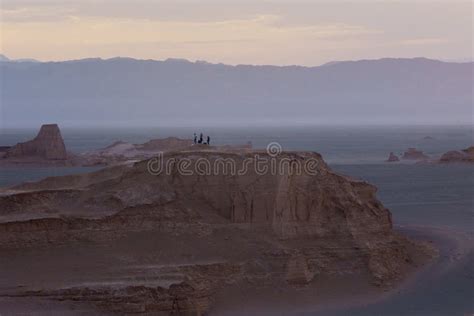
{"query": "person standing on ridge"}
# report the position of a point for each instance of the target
(200, 139)
(208, 140)
(195, 138)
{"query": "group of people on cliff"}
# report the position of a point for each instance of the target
(201, 139)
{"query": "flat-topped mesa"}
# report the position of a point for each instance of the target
(298, 204)
(414, 154)
(48, 144)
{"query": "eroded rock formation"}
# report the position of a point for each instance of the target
(179, 237)
(48, 144)
(414, 154)
(462, 156)
(392, 157)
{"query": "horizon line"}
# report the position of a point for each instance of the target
(198, 61)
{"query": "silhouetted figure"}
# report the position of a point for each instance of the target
(200, 139)
(195, 138)
(208, 140)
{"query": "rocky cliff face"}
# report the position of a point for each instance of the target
(48, 144)
(212, 228)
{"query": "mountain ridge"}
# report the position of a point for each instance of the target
(125, 89)
(4, 58)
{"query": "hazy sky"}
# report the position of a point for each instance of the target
(233, 32)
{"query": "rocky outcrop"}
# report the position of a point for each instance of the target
(212, 227)
(392, 157)
(414, 154)
(280, 200)
(463, 156)
(48, 145)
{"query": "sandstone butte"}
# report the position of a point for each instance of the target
(127, 241)
(48, 145)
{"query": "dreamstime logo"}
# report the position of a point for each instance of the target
(274, 149)
(274, 162)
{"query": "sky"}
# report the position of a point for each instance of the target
(237, 32)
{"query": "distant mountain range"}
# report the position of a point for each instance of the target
(125, 90)
(4, 58)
